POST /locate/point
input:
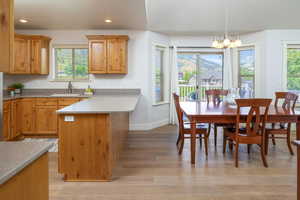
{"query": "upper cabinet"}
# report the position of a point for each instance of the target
(31, 54)
(108, 54)
(6, 34)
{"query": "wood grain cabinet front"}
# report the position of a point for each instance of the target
(46, 119)
(31, 54)
(6, 34)
(6, 120)
(108, 54)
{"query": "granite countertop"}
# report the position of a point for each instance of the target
(103, 104)
(15, 156)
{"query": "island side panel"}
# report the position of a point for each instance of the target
(119, 130)
(30, 183)
(85, 147)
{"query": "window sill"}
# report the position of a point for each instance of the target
(160, 103)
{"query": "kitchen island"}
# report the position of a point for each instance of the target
(92, 134)
(24, 170)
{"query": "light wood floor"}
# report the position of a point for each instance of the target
(151, 169)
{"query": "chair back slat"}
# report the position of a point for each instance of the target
(255, 121)
(215, 95)
(289, 98)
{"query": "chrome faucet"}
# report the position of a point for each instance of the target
(70, 88)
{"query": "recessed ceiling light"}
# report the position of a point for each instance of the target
(108, 21)
(23, 21)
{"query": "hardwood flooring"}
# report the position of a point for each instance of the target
(151, 169)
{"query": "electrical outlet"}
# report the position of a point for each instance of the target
(69, 118)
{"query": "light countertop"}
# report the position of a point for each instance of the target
(15, 156)
(103, 104)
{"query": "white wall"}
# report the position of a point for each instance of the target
(145, 116)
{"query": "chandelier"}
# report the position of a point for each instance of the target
(226, 41)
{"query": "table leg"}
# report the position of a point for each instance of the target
(193, 142)
(298, 159)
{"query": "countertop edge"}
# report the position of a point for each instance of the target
(19, 168)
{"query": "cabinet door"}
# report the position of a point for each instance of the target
(26, 113)
(6, 120)
(21, 56)
(6, 34)
(117, 56)
(15, 119)
(46, 119)
(97, 56)
(36, 48)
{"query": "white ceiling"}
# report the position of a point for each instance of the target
(80, 14)
(207, 16)
(166, 16)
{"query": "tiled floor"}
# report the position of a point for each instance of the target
(151, 169)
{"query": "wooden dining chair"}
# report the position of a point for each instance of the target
(282, 130)
(215, 96)
(185, 130)
(255, 126)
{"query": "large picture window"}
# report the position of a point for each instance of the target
(246, 64)
(293, 68)
(71, 64)
(197, 72)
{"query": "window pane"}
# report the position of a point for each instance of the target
(247, 68)
(211, 70)
(199, 70)
(159, 60)
(64, 69)
(293, 71)
(81, 64)
(187, 79)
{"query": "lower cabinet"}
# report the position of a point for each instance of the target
(32, 117)
(11, 125)
(46, 122)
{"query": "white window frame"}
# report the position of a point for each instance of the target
(286, 46)
(165, 73)
(53, 60)
(258, 71)
(245, 48)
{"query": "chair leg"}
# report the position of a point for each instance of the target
(224, 143)
(263, 156)
(249, 148)
(266, 148)
(200, 141)
(206, 145)
(288, 140)
(178, 139)
(236, 154)
(215, 133)
(273, 139)
(181, 145)
(230, 145)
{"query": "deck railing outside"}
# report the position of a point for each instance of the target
(188, 92)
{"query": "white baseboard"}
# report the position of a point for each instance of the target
(148, 126)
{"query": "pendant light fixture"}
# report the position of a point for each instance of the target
(226, 41)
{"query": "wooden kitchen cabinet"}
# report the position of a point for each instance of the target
(46, 122)
(11, 125)
(6, 34)
(21, 56)
(31, 54)
(108, 54)
(26, 112)
(6, 120)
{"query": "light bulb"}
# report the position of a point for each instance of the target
(215, 43)
(238, 43)
(226, 42)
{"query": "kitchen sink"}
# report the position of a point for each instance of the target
(65, 95)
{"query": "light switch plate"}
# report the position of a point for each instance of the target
(69, 118)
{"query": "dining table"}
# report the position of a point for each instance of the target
(225, 113)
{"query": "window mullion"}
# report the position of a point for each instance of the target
(73, 64)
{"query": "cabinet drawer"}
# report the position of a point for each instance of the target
(46, 102)
(67, 101)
